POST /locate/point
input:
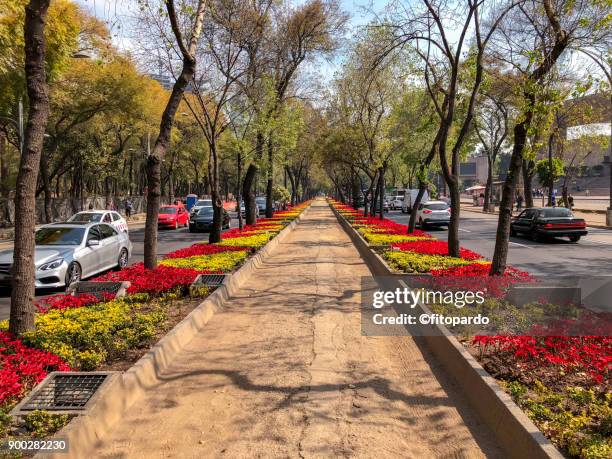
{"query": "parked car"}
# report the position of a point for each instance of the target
(172, 216)
(101, 216)
(409, 197)
(199, 204)
(396, 203)
(260, 202)
(68, 252)
(545, 222)
(202, 221)
(243, 210)
(433, 213)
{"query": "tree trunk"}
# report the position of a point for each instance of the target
(381, 180)
(551, 179)
(249, 181)
(238, 194)
(527, 184)
(486, 207)
(22, 294)
(453, 227)
(213, 173)
(270, 184)
(415, 207)
(356, 192)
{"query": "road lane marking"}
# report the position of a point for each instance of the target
(521, 245)
(464, 230)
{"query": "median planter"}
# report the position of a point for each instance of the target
(514, 431)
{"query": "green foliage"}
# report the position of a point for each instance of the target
(542, 168)
(281, 195)
(41, 423)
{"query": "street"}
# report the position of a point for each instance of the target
(557, 257)
(168, 241)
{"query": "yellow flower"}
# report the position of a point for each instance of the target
(224, 261)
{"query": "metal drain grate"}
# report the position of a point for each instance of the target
(64, 392)
(211, 280)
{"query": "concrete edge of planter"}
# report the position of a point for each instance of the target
(516, 434)
(84, 432)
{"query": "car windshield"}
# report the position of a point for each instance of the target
(204, 202)
(205, 211)
(85, 217)
(59, 236)
(437, 206)
(555, 212)
(260, 200)
(167, 210)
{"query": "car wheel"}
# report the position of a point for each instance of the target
(73, 273)
(176, 225)
(421, 223)
(512, 231)
(123, 259)
(574, 238)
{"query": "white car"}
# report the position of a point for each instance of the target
(199, 204)
(433, 213)
(396, 203)
(101, 216)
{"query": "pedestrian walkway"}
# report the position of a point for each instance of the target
(284, 371)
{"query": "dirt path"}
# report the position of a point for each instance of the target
(284, 372)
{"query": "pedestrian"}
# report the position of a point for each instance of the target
(90, 206)
(519, 202)
(570, 202)
(128, 208)
(554, 198)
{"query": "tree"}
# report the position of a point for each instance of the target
(186, 45)
(551, 30)
(453, 71)
(22, 294)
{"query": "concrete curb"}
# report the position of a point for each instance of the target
(84, 432)
(514, 432)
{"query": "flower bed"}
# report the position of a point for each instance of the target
(22, 367)
(562, 383)
(216, 263)
(411, 262)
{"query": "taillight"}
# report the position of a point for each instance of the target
(427, 211)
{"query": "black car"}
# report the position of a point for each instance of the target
(203, 219)
(543, 222)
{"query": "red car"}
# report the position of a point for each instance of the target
(172, 217)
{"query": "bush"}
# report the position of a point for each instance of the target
(220, 262)
(88, 336)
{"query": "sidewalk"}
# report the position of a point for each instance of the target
(284, 371)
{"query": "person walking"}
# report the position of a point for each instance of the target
(128, 208)
(570, 202)
(554, 199)
(519, 202)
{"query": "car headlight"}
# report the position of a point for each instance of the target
(51, 265)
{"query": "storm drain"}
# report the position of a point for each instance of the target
(65, 392)
(211, 280)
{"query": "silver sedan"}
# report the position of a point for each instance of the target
(68, 252)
